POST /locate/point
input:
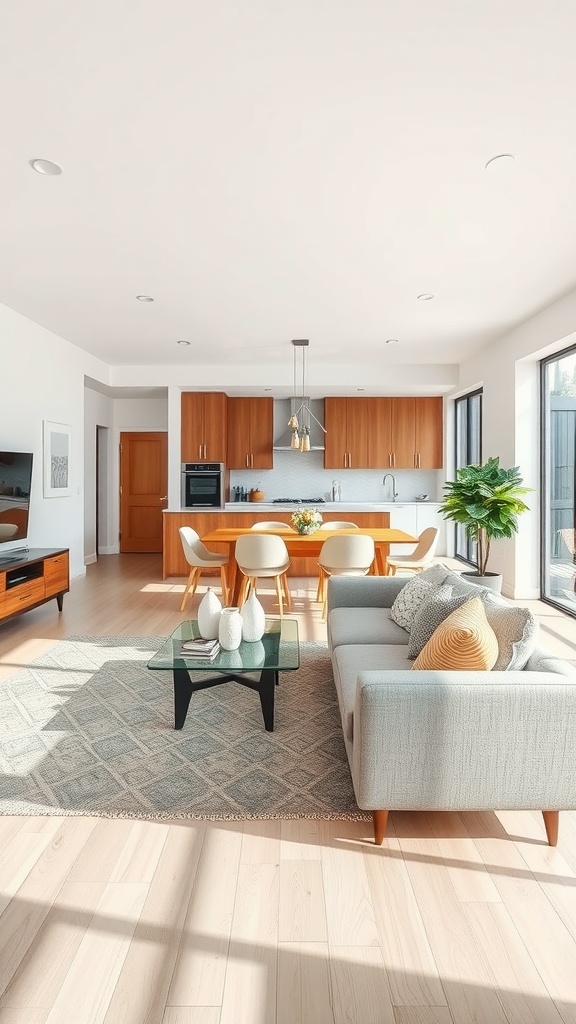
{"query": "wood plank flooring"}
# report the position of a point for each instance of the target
(457, 918)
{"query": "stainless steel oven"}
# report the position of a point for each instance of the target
(202, 485)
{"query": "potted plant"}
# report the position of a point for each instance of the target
(487, 501)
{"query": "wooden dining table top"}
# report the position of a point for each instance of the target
(379, 534)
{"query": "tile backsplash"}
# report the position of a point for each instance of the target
(302, 475)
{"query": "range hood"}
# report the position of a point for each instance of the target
(284, 408)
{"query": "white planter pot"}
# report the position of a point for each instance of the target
(230, 629)
(209, 611)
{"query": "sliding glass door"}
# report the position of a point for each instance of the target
(558, 514)
(468, 452)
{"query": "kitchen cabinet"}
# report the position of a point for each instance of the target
(347, 422)
(203, 426)
(250, 433)
(416, 433)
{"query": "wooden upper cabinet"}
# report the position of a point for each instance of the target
(250, 430)
(346, 441)
(203, 424)
(417, 433)
(429, 438)
(379, 432)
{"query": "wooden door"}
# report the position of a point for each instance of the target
(192, 426)
(336, 437)
(358, 429)
(143, 490)
(261, 431)
(239, 425)
(429, 447)
(215, 426)
(379, 433)
(403, 433)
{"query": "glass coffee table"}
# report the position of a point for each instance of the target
(277, 651)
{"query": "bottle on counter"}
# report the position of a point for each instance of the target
(336, 490)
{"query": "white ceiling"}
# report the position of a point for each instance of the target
(278, 169)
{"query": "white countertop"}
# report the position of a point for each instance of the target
(332, 506)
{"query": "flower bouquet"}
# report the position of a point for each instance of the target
(306, 520)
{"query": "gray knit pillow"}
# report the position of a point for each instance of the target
(441, 603)
(414, 593)
(516, 631)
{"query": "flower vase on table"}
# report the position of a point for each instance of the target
(253, 619)
(306, 520)
(209, 611)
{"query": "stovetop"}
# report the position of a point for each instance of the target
(298, 501)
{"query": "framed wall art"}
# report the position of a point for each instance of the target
(57, 464)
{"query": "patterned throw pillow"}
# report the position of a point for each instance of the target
(444, 600)
(465, 641)
(516, 630)
(404, 609)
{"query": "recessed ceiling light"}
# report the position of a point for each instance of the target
(45, 167)
(145, 298)
(426, 296)
(182, 342)
(267, 389)
(360, 389)
(391, 341)
(500, 162)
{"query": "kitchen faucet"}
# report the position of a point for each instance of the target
(394, 492)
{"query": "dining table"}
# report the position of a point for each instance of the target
(306, 545)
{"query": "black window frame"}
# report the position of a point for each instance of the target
(469, 558)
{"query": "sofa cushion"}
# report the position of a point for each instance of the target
(444, 600)
(363, 626)
(413, 594)
(349, 660)
(465, 640)
(516, 630)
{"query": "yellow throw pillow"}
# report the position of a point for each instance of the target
(464, 641)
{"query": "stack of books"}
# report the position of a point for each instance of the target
(198, 647)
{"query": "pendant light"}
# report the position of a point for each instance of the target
(301, 417)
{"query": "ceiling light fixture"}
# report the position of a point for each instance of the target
(425, 296)
(500, 162)
(182, 342)
(45, 167)
(301, 427)
(145, 298)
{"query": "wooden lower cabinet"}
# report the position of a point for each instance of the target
(28, 580)
(174, 563)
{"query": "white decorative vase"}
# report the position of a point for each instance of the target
(230, 629)
(253, 619)
(209, 611)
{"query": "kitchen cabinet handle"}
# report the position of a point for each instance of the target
(251, 460)
(199, 451)
(349, 460)
(247, 461)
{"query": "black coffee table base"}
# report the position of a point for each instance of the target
(184, 688)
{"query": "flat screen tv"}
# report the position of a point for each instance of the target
(15, 485)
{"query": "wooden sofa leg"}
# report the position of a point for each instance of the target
(551, 823)
(380, 820)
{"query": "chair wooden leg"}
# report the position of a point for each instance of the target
(190, 584)
(380, 820)
(286, 589)
(278, 586)
(391, 570)
(243, 593)
(551, 824)
(224, 583)
(320, 588)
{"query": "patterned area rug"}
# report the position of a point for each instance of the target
(87, 729)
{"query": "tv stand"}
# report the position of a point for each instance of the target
(32, 577)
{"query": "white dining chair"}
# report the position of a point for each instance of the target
(271, 524)
(263, 555)
(200, 560)
(339, 524)
(420, 558)
(347, 555)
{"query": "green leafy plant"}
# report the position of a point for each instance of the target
(487, 501)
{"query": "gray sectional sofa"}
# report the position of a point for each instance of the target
(448, 740)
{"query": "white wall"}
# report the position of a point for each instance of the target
(42, 378)
(508, 371)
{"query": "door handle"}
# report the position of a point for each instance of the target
(165, 498)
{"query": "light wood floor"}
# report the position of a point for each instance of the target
(455, 919)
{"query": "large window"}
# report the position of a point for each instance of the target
(468, 452)
(558, 575)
